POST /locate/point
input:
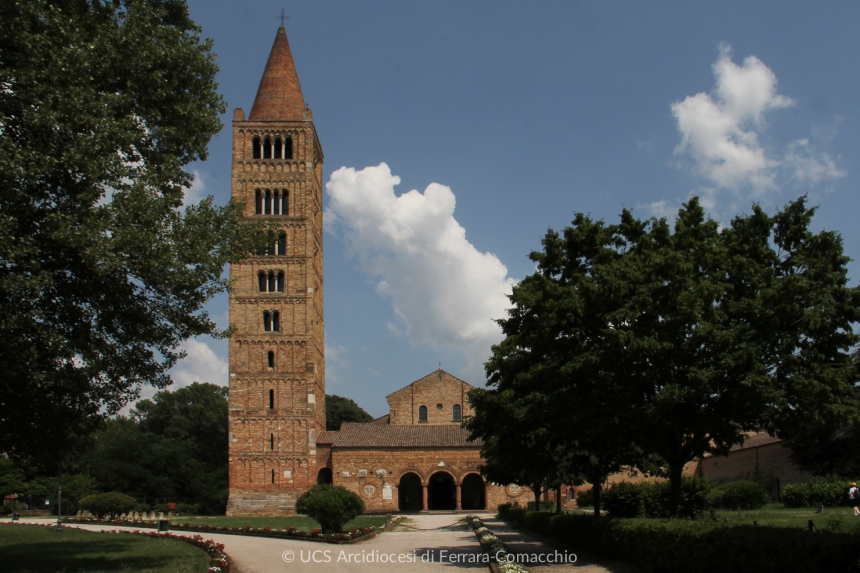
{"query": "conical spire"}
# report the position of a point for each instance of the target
(279, 96)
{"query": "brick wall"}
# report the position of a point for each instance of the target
(438, 392)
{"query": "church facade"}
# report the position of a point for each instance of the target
(416, 458)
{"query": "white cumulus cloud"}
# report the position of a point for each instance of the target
(200, 364)
(444, 292)
(720, 131)
(721, 136)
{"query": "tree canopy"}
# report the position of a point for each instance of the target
(339, 410)
(675, 340)
(103, 270)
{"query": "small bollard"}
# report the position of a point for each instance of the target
(755, 523)
(820, 509)
(811, 525)
(162, 525)
(15, 517)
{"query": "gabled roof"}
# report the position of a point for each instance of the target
(279, 96)
(370, 435)
(325, 438)
(438, 373)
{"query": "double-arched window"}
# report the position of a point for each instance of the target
(272, 201)
(272, 148)
(271, 281)
(271, 321)
(422, 414)
(279, 247)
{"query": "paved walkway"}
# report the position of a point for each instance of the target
(438, 543)
(528, 545)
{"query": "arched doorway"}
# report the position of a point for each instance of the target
(410, 496)
(324, 476)
(441, 492)
(473, 492)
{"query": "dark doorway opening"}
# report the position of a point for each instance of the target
(472, 493)
(410, 496)
(441, 492)
(324, 476)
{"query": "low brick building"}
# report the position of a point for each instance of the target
(417, 457)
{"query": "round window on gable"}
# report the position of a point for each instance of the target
(438, 406)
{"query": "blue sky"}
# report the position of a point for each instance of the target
(508, 117)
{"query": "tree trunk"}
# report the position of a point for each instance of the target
(537, 491)
(675, 471)
(596, 488)
(558, 499)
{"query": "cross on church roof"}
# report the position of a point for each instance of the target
(283, 17)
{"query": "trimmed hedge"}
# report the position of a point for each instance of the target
(681, 546)
(742, 494)
(816, 491)
(585, 497)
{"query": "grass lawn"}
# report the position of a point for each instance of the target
(31, 549)
(297, 521)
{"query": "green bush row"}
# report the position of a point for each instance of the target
(829, 492)
(681, 546)
(741, 494)
(652, 499)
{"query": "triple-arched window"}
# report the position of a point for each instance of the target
(279, 247)
(271, 321)
(457, 413)
(271, 281)
(422, 414)
(272, 147)
(272, 201)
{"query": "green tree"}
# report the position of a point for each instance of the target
(171, 448)
(332, 506)
(677, 339)
(112, 503)
(339, 410)
(104, 272)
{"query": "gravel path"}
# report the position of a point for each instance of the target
(527, 545)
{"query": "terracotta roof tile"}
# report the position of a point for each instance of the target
(325, 438)
(370, 435)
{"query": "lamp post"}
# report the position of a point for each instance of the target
(59, 502)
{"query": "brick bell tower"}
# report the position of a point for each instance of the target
(277, 361)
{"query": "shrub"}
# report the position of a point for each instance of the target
(652, 499)
(743, 495)
(585, 497)
(331, 506)
(623, 500)
(113, 503)
(185, 509)
(544, 505)
(539, 521)
(827, 491)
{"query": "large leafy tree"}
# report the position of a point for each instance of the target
(676, 340)
(339, 410)
(103, 272)
(173, 447)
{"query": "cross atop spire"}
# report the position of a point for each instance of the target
(279, 96)
(283, 17)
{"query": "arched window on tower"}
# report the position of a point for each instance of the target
(422, 414)
(278, 148)
(273, 476)
(258, 201)
(270, 356)
(272, 444)
(457, 413)
(271, 399)
(282, 243)
(267, 321)
(276, 321)
(267, 148)
(271, 281)
(268, 210)
(261, 281)
(288, 148)
(255, 148)
(280, 281)
(285, 204)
